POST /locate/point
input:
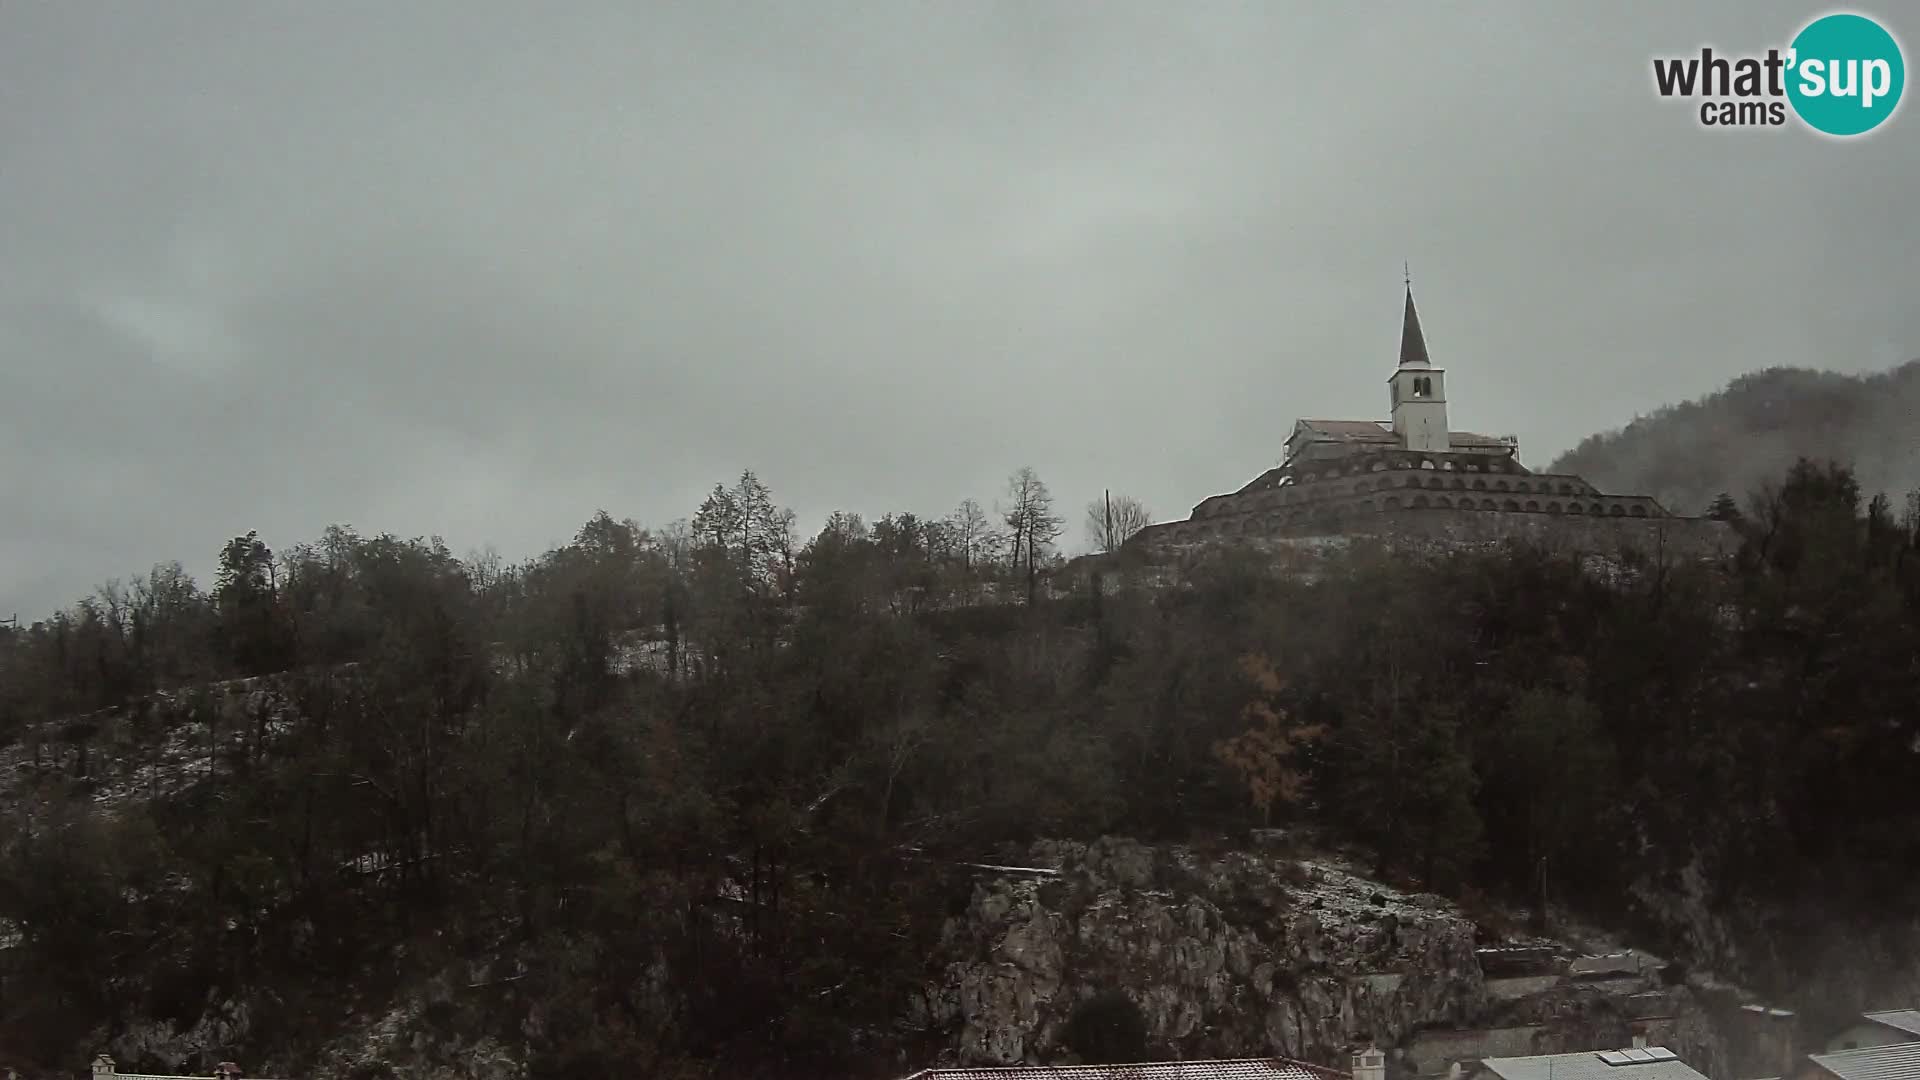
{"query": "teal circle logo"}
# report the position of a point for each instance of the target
(1845, 74)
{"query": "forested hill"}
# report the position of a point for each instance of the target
(363, 809)
(1686, 455)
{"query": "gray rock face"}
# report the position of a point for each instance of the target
(1230, 955)
(1253, 952)
(225, 1024)
(397, 1044)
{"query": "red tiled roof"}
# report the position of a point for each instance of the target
(1233, 1069)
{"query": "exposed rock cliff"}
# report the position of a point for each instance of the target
(1249, 952)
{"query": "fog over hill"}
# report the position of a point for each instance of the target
(1731, 441)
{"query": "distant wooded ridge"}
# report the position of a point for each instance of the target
(1734, 440)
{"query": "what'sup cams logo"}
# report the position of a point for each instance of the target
(1841, 75)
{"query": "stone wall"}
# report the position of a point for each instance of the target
(1430, 1053)
(1672, 537)
(1410, 489)
(1599, 534)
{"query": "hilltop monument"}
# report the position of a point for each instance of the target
(1412, 477)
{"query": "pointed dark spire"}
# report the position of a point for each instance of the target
(1413, 344)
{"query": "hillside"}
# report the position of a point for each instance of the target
(364, 809)
(1731, 441)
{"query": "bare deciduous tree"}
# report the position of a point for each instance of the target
(485, 569)
(1112, 521)
(974, 538)
(676, 542)
(1031, 522)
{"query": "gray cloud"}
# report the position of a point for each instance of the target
(476, 269)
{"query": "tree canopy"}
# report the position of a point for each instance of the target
(693, 775)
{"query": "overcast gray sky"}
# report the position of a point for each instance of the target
(477, 269)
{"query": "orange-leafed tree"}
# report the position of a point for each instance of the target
(1266, 756)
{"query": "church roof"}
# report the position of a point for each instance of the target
(1380, 431)
(1413, 343)
(1471, 438)
(1350, 429)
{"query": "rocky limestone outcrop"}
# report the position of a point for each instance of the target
(224, 1024)
(159, 745)
(430, 1031)
(1251, 952)
(1228, 955)
(408, 1041)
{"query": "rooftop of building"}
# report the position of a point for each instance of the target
(1649, 1063)
(1378, 431)
(1348, 429)
(1897, 1061)
(161, 1076)
(1413, 340)
(103, 1066)
(1907, 1020)
(1230, 1069)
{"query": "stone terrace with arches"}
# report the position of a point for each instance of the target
(1286, 502)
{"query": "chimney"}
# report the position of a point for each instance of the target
(1370, 1063)
(103, 1066)
(1772, 1038)
(1789, 1060)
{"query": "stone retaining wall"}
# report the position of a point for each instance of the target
(1674, 537)
(1607, 533)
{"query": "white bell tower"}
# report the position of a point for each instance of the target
(1419, 390)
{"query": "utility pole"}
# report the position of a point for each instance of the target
(12, 622)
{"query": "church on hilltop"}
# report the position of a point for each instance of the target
(1413, 477)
